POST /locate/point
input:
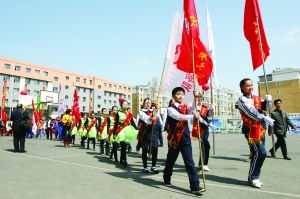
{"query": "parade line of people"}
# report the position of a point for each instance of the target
(117, 128)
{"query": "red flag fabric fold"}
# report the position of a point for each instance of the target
(75, 107)
(255, 33)
(190, 34)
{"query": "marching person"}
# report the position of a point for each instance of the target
(17, 117)
(255, 123)
(281, 124)
(111, 136)
(125, 129)
(67, 120)
(180, 141)
(103, 132)
(91, 128)
(149, 134)
(74, 130)
(204, 125)
(82, 129)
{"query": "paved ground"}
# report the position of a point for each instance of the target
(48, 170)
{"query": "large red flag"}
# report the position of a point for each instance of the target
(36, 115)
(255, 33)
(190, 33)
(75, 107)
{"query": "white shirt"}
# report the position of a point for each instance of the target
(173, 113)
(245, 104)
(146, 118)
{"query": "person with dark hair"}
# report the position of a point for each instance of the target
(18, 116)
(255, 123)
(179, 140)
(74, 130)
(125, 129)
(82, 129)
(111, 137)
(91, 128)
(281, 124)
(204, 124)
(67, 120)
(103, 131)
(148, 134)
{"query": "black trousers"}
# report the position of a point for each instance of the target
(19, 142)
(49, 133)
(73, 139)
(102, 147)
(186, 152)
(160, 139)
(94, 143)
(123, 151)
(280, 143)
(153, 154)
(83, 140)
(114, 151)
(205, 150)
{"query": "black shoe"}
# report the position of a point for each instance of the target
(198, 191)
(124, 163)
(287, 158)
(117, 161)
(167, 183)
(145, 170)
(23, 151)
(272, 153)
(154, 170)
(16, 151)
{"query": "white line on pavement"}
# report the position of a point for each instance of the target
(178, 180)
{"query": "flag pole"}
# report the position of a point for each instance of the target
(198, 127)
(212, 114)
(157, 100)
(266, 84)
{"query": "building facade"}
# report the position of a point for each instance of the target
(94, 93)
(285, 85)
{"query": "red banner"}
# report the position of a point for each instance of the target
(3, 113)
(75, 107)
(191, 42)
(255, 33)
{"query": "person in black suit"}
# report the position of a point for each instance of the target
(281, 124)
(18, 116)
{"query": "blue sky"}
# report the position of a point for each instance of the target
(126, 40)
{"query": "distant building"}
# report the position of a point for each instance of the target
(94, 93)
(284, 84)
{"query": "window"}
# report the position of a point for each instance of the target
(27, 81)
(55, 89)
(115, 86)
(83, 108)
(78, 79)
(67, 77)
(35, 82)
(67, 87)
(115, 103)
(91, 82)
(66, 97)
(104, 101)
(109, 85)
(28, 70)
(84, 81)
(129, 89)
(99, 106)
(7, 66)
(37, 72)
(17, 79)
(46, 73)
(128, 96)
(44, 83)
(6, 77)
(84, 99)
(84, 90)
(110, 94)
(109, 101)
(115, 95)
(16, 91)
(99, 86)
(98, 97)
(278, 91)
(15, 102)
(120, 87)
(124, 88)
(105, 84)
(17, 68)
(55, 78)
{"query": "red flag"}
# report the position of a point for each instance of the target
(3, 115)
(255, 33)
(35, 113)
(75, 107)
(202, 60)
